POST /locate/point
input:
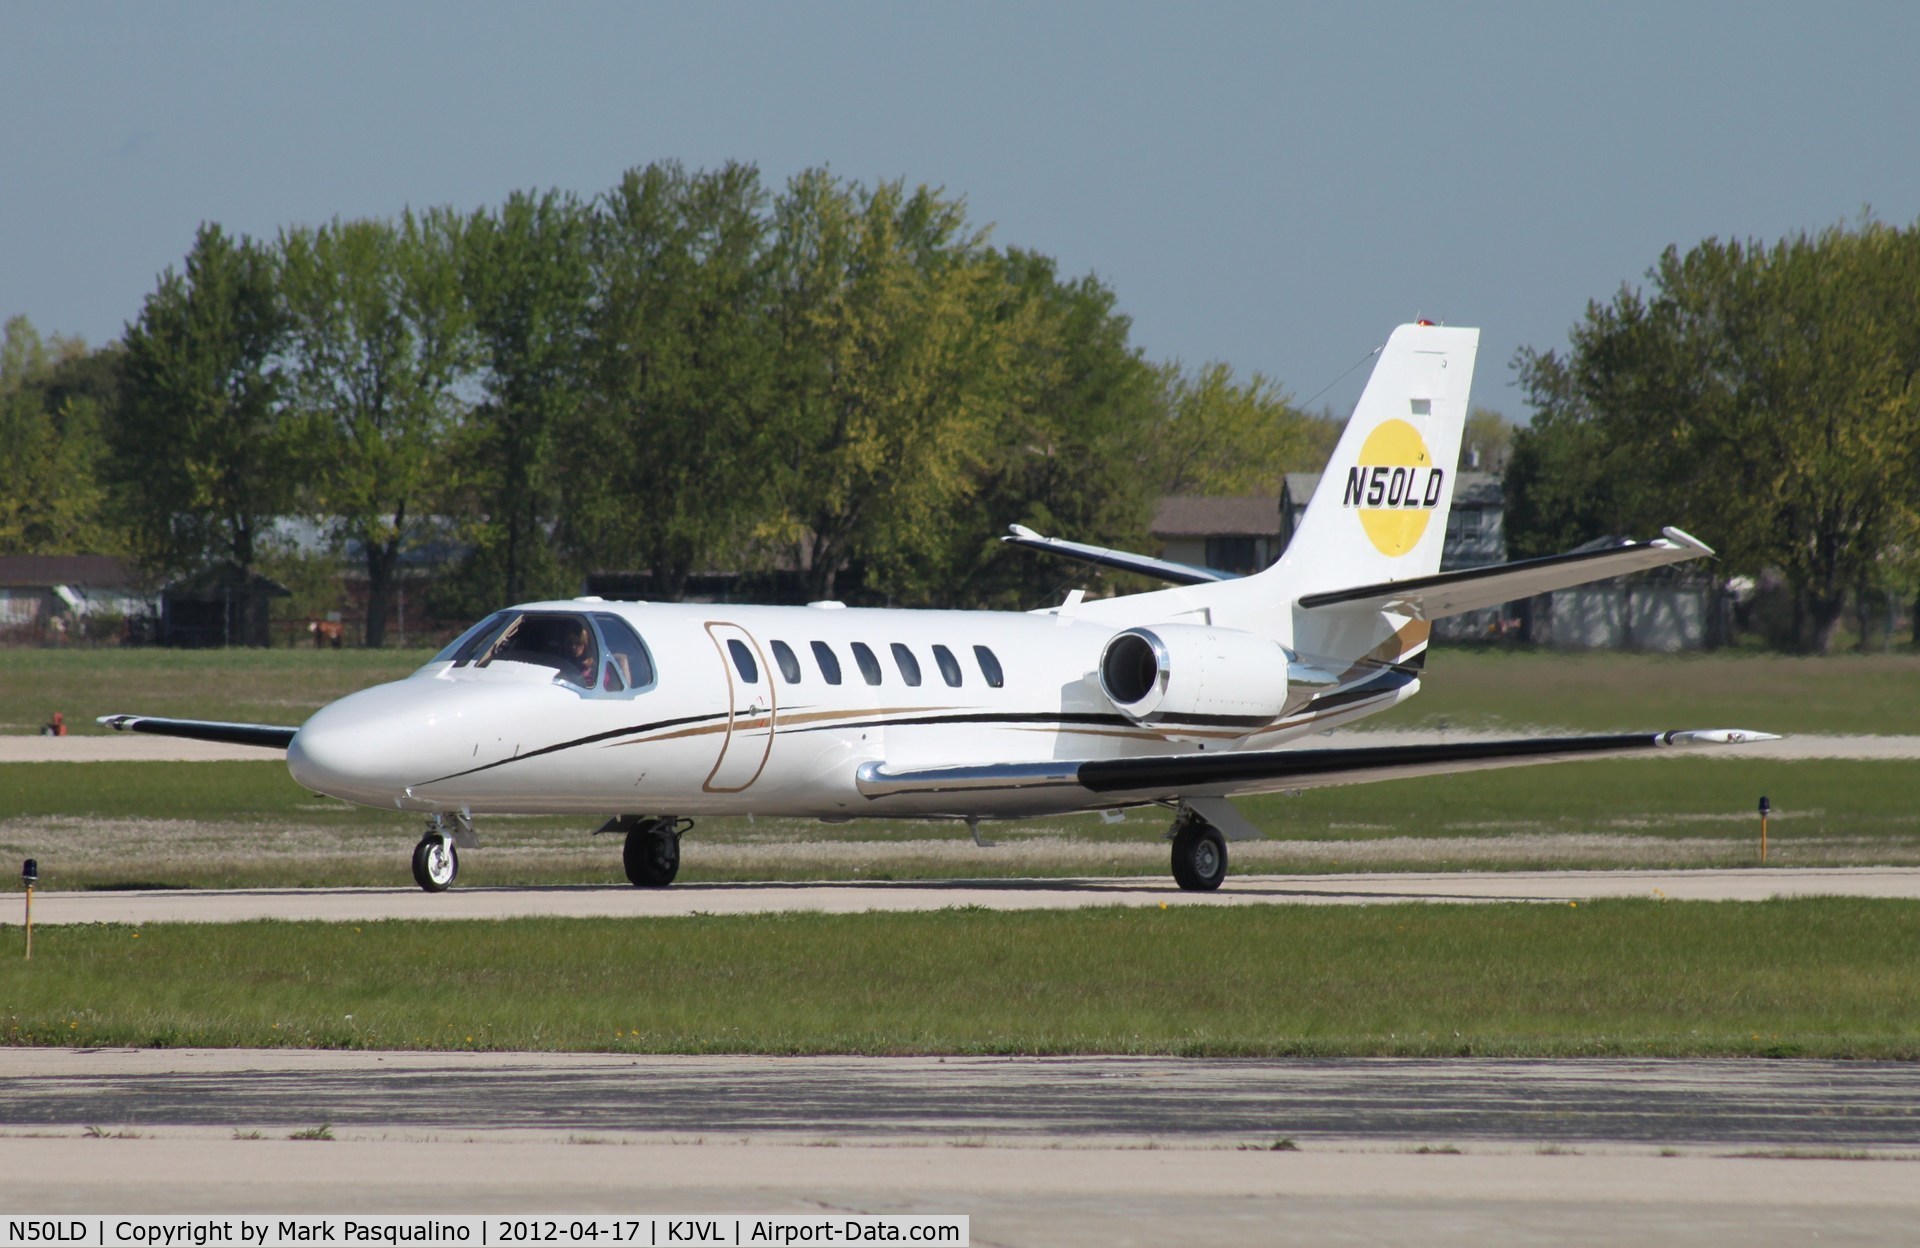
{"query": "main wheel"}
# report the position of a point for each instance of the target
(435, 863)
(1199, 857)
(652, 858)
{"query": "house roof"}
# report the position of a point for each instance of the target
(1193, 515)
(46, 571)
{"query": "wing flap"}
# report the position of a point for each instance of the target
(1472, 589)
(1155, 777)
(266, 736)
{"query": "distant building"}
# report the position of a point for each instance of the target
(48, 597)
(1239, 535)
(220, 605)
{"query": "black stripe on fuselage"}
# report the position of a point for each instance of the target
(631, 730)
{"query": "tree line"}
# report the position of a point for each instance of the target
(1765, 397)
(688, 372)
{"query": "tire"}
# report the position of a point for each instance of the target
(435, 864)
(652, 858)
(1199, 857)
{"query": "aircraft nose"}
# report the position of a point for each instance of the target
(359, 748)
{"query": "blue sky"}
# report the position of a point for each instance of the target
(1271, 185)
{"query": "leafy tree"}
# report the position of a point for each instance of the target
(1223, 437)
(201, 453)
(380, 343)
(666, 467)
(527, 276)
(1487, 443)
(891, 373)
(1763, 397)
(1069, 453)
(52, 393)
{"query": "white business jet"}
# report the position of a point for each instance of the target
(650, 713)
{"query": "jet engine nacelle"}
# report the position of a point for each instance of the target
(1178, 675)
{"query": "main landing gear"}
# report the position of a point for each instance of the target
(652, 853)
(435, 860)
(1199, 853)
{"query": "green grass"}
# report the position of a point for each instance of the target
(1817, 977)
(248, 686)
(218, 825)
(1610, 692)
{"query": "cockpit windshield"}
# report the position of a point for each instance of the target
(610, 658)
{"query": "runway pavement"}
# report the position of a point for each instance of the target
(1060, 1151)
(583, 901)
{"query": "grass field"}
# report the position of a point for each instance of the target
(219, 825)
(1818, 977)
(1465, 688)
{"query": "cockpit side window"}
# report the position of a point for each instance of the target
(476, 640)
(626, 665)
(552, 639)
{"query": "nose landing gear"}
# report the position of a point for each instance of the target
(435, 860)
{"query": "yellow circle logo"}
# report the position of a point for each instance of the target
(1395, 487)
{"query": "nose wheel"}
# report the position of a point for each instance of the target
(435, 862)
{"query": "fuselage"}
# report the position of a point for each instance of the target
(592, 707)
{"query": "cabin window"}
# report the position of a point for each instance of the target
(949, 666)
(625, 663)
(829, 662)
(908, 665)
(989, 667)
(789, 662)
(869, 666)
(743, 661)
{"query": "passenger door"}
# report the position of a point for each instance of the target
(751, 706)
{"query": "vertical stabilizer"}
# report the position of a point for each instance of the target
(1380, 512)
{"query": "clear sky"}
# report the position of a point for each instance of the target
(1272, 185)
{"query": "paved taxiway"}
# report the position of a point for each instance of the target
(1059, 1151)
(584, 901)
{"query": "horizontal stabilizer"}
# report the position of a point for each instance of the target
(1145, 565)
(266, 736)
(1472, 589)
(1165, 777)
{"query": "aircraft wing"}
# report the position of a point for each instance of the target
(1471, 589)
(1146, 565)
(267, 736)
(1157, 777)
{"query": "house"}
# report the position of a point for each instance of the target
(1238, 535)
(220, 605)
(48, 597)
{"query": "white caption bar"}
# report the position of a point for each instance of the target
(534, 1231)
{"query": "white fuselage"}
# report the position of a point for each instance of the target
(730, 724)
